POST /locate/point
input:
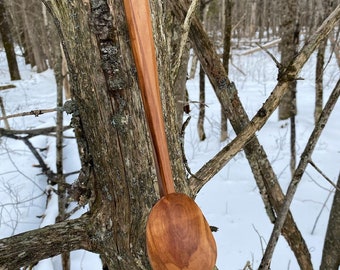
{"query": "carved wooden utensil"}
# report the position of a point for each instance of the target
(178, 236)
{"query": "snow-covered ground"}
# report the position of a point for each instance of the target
(229, 201)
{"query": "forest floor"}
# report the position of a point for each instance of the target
(230, 201)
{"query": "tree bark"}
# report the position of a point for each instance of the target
(320, 59)
(7, 40)
(226, 56)
(114, 133)
(325, 10)
(30, 247)
(201, 114)
(288, 46)
(331, 249)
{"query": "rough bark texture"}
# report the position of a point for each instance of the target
(320, 60)
(288, 46)
(226, 56)
(331, 249)
(26, 248)
(112, 120)
(201, 115)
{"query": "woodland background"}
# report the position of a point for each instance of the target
(276, 29)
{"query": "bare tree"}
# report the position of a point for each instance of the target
(7, 40)
(117, 175)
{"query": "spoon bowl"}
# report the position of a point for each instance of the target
(178, 236)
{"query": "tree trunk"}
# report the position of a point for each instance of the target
(121, 171)
(201, 115)
(320, 59)
(288, 46)
(331, 249)
(325, 10)
(39, 58)
(226, 56)
(7, 40)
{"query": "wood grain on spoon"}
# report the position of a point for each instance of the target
(138, 14)
(178, 236)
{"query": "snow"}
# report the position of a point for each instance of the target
(230, 201)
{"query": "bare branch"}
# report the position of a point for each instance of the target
(32, 246)
(30, 132)
(323, 175)
(278, 64)
(184, 38)
(223, 157)
(36, 113)
(305, 157)
(12, 134)
(227, 95)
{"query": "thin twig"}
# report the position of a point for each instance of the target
(185, 161)
(30, 132)
(324, 176)
(321, 210)
(36, 113)
(260, 237)
(184, 37)
(278, 64)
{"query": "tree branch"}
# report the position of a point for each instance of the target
(224, 85)
(305, 158)
(30, 132)
(227, 95)
(32, 246)
(36, 113)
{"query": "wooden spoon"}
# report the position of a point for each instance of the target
(178, 235)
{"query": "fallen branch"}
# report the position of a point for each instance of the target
(266, 46)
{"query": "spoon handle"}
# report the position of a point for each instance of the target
(143, 48)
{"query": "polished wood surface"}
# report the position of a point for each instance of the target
(140, 29)
(177, 234)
